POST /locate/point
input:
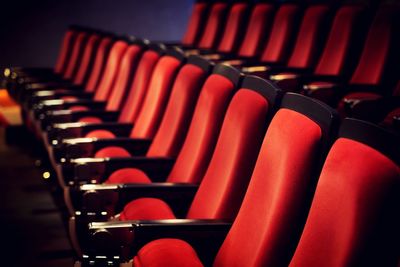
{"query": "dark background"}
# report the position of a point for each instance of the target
(31, 31)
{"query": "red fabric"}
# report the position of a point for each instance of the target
(66, 47)
(100, 58)
(69, 98)
(257, 27)
(214, 22)
(282, 30)
(309, 34)
(138, 89)
(80, 41)
(78, 108)
(389, 117)
(126, 67)
(128, 175)
(337, 45)
(224, 184)
(232, 27)
(376, 48)
(347, 209)
(171, 132)
(156, 98)
(200, 140)
(84, 64)
(264, 227)
(90, 119)
(111, 69)
(356, 96)
(194, 25)
(112, 151)
(167, 252)
(100, 134)
(146, 209)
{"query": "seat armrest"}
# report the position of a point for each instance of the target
(66, 115)
(34, 86)
(374, 110)
(57, 93)
(57, 104)
(60, 131)
(97, 170)
(111, 198)
(206, 236)
(87, 147)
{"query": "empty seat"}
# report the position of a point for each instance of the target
(354, 217)
(196, 23)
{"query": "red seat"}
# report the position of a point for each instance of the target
(354, 219)
(271, 216)
(196, 24)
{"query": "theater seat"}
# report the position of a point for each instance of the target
(271, 216)
(354, 217)
(225, 180)
(196, 23)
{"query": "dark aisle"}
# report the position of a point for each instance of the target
(32, 232)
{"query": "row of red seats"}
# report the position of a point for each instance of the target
(193, 126)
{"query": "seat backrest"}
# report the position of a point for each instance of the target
(257, 30)
(127, 68)
(307, 42)
(75, 56)
(65, 50)
(234, 27)
(339, 39)
(111, 69)
(175, 122)
(376, 47)
(225, 181)
(87, 60)
(354, 218)
(196, 23)
(200, 140)
(99, 63)
(157, 95)
(282, 32)
(138, 88)
(274, 208)
(213, 26)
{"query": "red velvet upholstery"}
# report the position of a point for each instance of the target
(194, 26)
(76, 52)
(100, 134)
(282, 31)
(127, 68)
(128, 175)
(139, 86)
(112, 151)
(166, 249)
(348, 218)
(337, 45)
(66, 46)
(156, 98)
(87, 58)
(304, 51)
(213, 25)
(257, 29)
(147, 208)
(111, 69)
(234, 23)
(98, 64)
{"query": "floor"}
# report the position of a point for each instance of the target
(31, 225)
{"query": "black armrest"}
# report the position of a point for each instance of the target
(113, 197)
(87, 147)
(374, 110)
(51, 85)
(64, 116)
(57, 104)
(97, 170)
(61, 131)
(206, 236)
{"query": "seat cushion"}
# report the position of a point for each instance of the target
(100, 134)
(147, 209)
(167, 252)
(112, 151)
(78, 108)
(128, 175)
(90, 119)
